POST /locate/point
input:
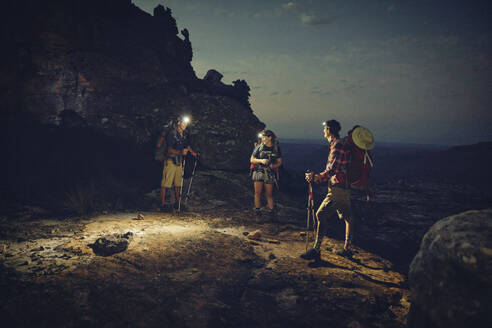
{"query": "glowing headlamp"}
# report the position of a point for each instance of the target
(323, 124)
(260, 135)
(186, 119)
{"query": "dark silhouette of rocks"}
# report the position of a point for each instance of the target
(164, 16)
(108, 69)
(213, 77)
(242, 89)
(187, 45)
(450, 275)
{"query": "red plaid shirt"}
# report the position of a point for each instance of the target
(337, 163)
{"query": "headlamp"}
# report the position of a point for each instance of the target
(324, 123)
(186, 119)
(260, 135)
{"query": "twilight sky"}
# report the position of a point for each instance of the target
(417, 71)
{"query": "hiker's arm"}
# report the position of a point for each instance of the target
(336, 159)
(173, 151)
(277, 164)
(254, 160)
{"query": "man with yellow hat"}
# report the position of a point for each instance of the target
(337, 200)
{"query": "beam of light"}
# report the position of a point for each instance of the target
(186, 119)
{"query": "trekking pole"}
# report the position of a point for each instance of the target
(181, 188)
(315, 219)
(191, 180)
(310, 210)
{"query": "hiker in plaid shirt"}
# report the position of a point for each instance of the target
(336, 166)
(337, 200)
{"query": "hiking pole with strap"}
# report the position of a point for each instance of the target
(181, 188)
(191, 180)
(310, 210)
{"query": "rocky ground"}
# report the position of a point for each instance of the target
(204, 269)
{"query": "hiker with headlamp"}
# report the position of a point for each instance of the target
(177, 142)
(337, 200)
(266, 158)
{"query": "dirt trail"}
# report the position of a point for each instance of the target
(189, 271)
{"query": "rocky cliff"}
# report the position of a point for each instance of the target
(111, 67)
(86, 87)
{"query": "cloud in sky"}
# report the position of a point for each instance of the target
(298, 11)
(385, 68)
(269, 13)
(290, 5)
(222, 12)
(311, 19)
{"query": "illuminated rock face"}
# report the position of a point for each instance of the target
(120, 71)
(450, 275)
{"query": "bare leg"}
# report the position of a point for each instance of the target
(258, 189)
(321, 229)
(269, 195)
(348, 227)
(176, 195)
(163, 196)
(349, 230)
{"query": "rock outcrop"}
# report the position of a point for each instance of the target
(111, 244)
(119, 71)
(451, 275)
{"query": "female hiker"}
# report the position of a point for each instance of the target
(266, 158)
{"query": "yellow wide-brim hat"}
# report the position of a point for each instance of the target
(363, 138)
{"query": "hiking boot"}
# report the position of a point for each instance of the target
(348, 245)
(346, 252)
(273, 217)
(312, 254)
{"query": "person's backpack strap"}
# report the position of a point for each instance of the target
(251, 165)
(367, 158)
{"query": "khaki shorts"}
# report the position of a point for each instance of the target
(337, 201)
(171, 174)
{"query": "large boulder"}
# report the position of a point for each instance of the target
(451, 275)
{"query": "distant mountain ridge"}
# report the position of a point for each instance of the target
(469, 164)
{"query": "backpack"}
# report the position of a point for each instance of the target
(360, 165)
(160, 152)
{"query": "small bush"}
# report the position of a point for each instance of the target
(106, 194)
